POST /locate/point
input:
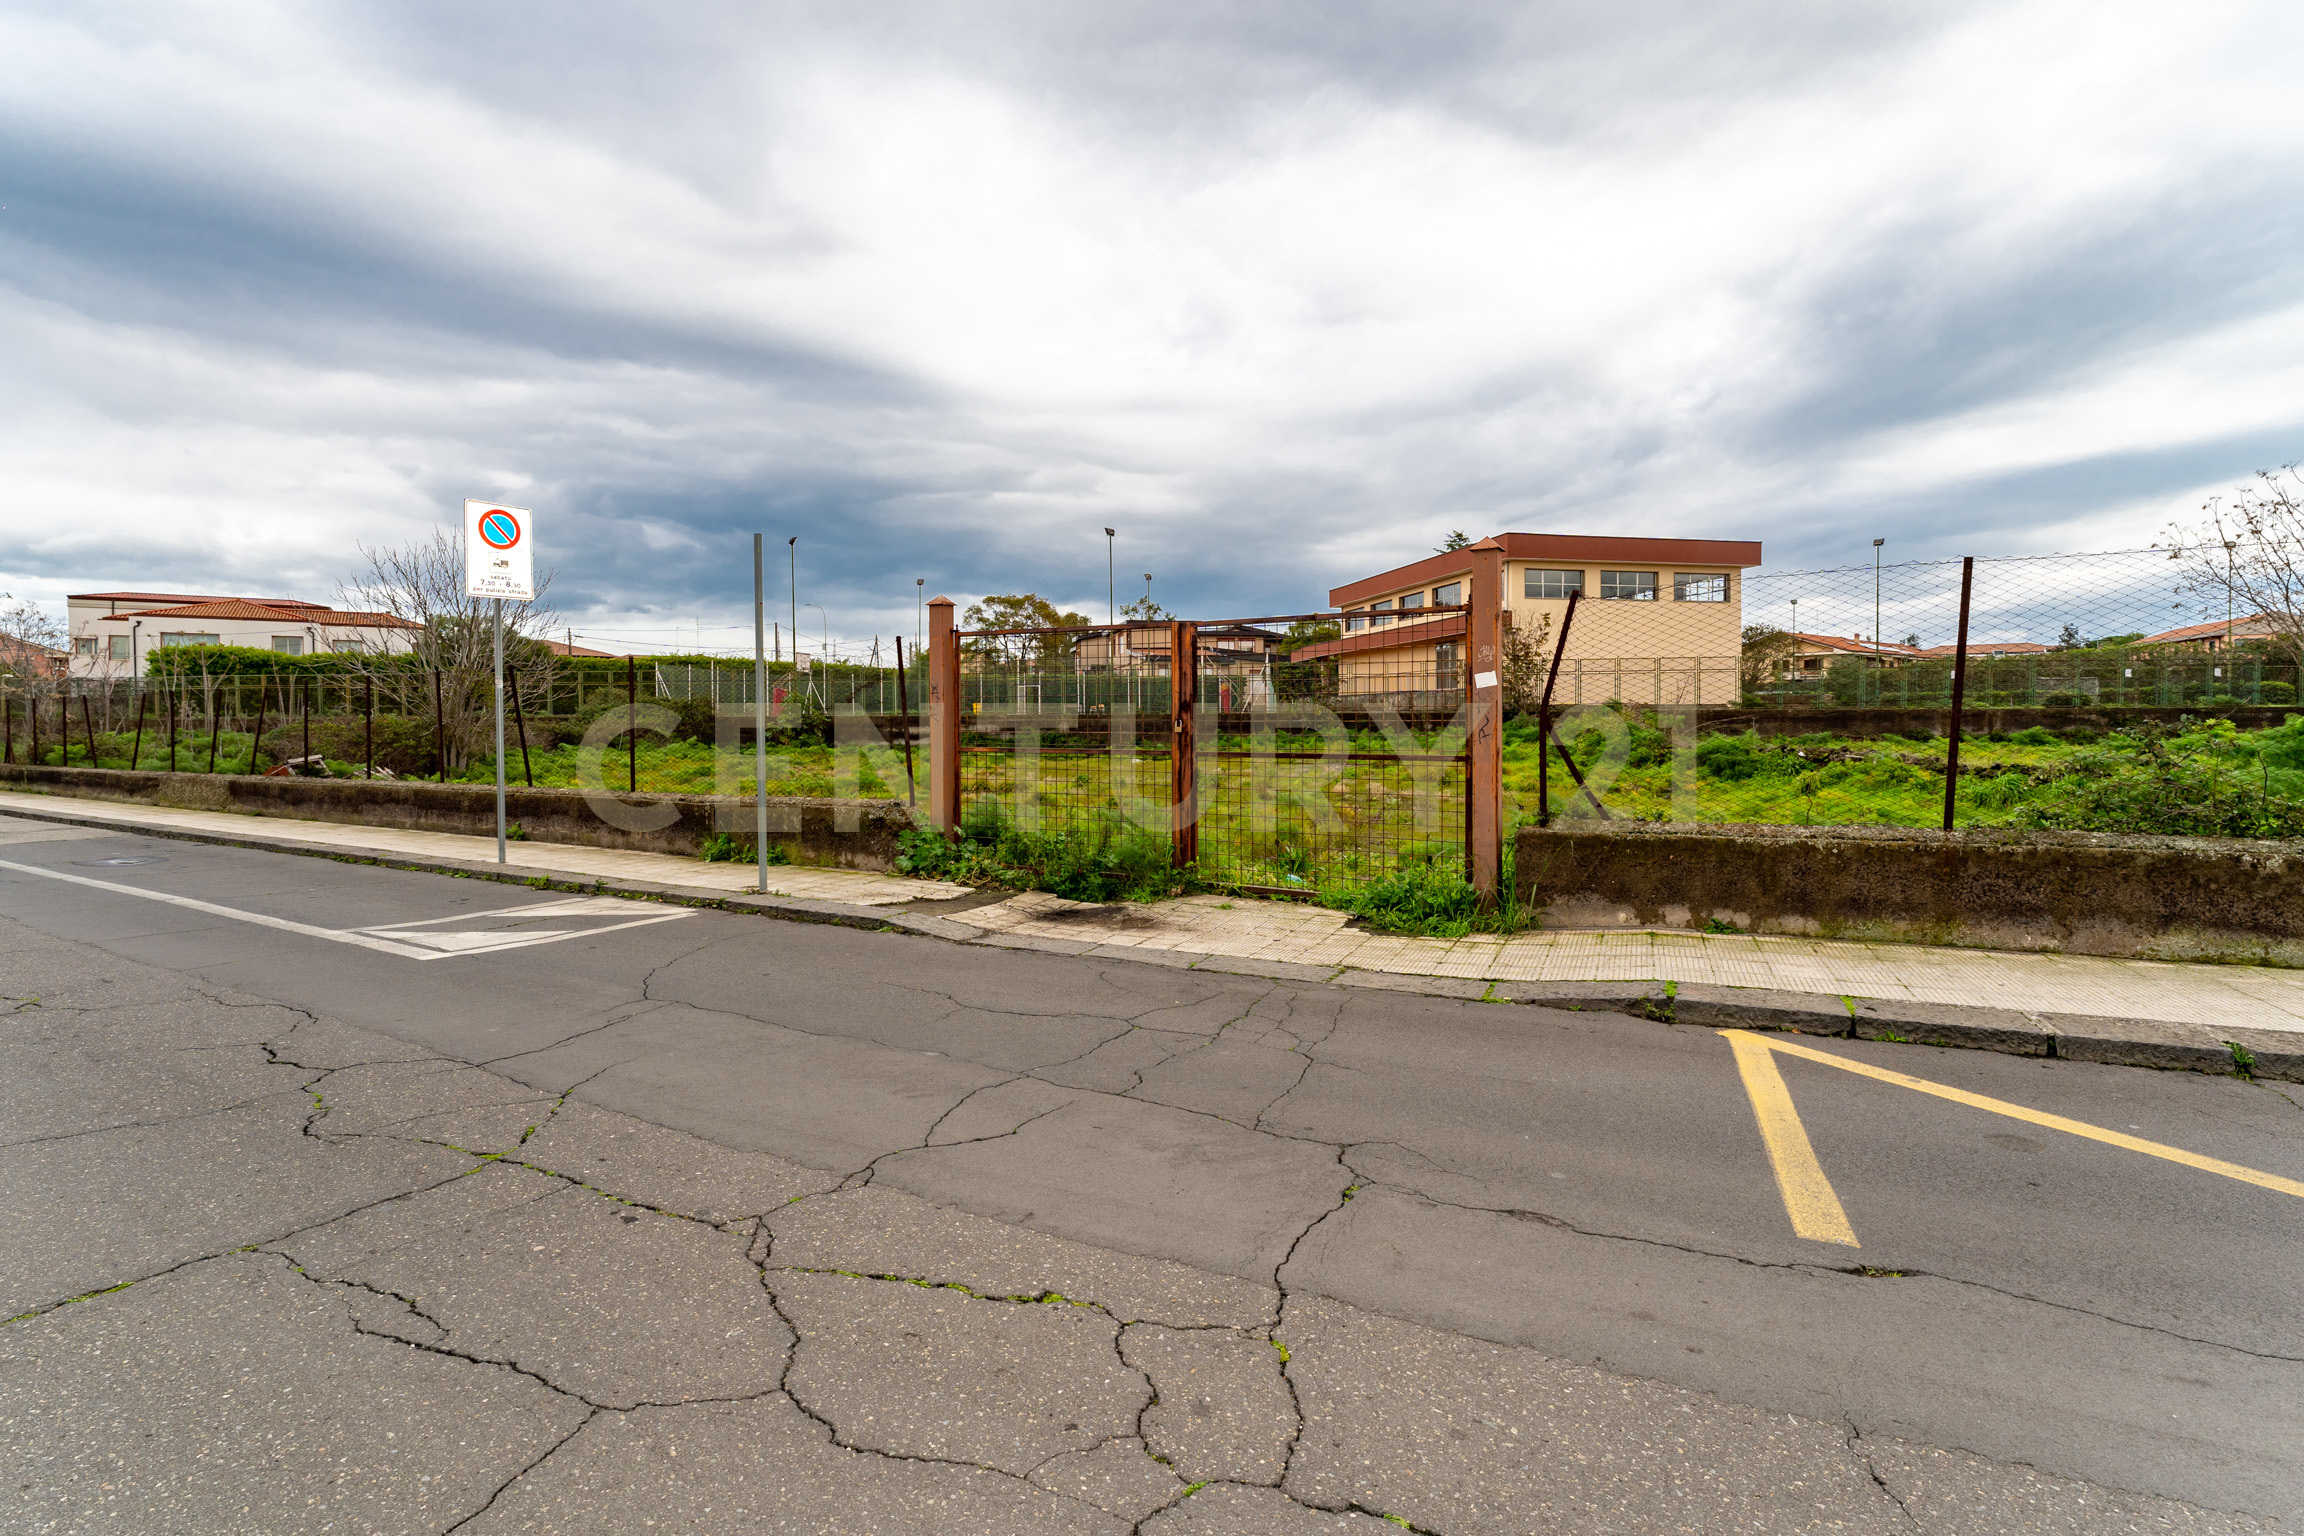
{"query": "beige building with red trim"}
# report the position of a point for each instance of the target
(1658, 621)
(112, 632)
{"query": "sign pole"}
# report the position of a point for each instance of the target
(759, 714)
(500, 730)
(498, 563)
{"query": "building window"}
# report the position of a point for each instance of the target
(1628, 586)
(1413, 600)
(350, 647)
(1447, 673)
(84, 645)
(1380, 613)
(288, 645)
(1700, 587)
(171, 637)
(1552, 584)
(120, 644)
(1355, 620)
(1450, 595)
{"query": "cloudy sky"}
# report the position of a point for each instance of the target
(1282, 291)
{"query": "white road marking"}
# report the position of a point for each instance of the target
(394, 938)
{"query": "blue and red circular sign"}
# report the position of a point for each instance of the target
(499, 530)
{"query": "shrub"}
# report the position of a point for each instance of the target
(1729, 758)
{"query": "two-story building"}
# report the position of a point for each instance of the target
(1658, 621)
(112, 632)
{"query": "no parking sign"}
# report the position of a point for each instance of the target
(498, 544)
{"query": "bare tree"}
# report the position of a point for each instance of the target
(29, 641)
(1525, 664)
(422, 584)
(2247, 557)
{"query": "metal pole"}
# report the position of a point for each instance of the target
(792, 554)
(904, 708)
(760, 711)
(88, 725)
(257, 740)
(171, 730)
(307, 696)
(631, 725)
(368, 728)
(1111, 582)
(1544, 719)
(136, 749)
(439, 729)
(520, 723)
(498, 627)
(1959, 693)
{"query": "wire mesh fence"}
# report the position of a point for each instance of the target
(1264, 769)
(2119, 692)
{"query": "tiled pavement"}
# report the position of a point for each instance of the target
(2257, 996)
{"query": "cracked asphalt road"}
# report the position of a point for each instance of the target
(729, 1224)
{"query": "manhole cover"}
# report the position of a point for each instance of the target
(145, 858)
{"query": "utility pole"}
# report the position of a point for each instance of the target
(1111, 587)
(1876, 543)
(919, 611)
(759, 714)
(792, 550)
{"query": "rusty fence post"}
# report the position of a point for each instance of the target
(1959, 693)
(1183, 762)
(943, 718)
(1484, 740)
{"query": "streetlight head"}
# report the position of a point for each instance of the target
(1111, 533)
(795, 539)
(1876, 543)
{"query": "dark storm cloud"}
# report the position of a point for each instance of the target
(1285, 292)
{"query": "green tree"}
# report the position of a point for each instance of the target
(1026, 611)
(1306, 632)
(1457, 539)
(1766, 649)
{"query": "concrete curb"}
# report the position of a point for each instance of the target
(2157, 1043)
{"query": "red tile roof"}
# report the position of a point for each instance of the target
(2253, 626)
(277, 613)
(185, 597)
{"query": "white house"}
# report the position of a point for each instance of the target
(112, 632)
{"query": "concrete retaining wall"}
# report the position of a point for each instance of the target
(849, 834)
(2167, 898)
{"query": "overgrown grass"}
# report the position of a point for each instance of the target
(1099, 861)
(2203, 778)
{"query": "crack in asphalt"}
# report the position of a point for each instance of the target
(1863, 1459)
(1806, 1266)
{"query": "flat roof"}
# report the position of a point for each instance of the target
(1567, 548)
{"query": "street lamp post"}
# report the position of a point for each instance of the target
(1879, 690)
(826, 654)
(1111, 585)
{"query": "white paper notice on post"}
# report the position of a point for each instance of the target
(499, 542)
(1483, 679)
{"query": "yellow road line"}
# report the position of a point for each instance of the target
(2013, 1111)
(1808, 1197)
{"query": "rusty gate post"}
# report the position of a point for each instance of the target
(943, 718)
(1183, 790)
(1484, 737)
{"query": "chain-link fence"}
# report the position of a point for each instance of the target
(2120, 692)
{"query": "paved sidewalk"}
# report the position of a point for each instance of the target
(1291, 933)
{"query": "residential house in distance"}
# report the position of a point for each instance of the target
(112, 632)
(2209, 639)
(1658, 621)
(22, 658)
(1816, 653)
(1234, 660)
